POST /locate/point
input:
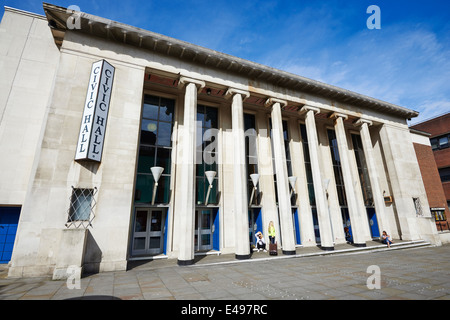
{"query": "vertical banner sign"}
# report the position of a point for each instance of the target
(93, 123)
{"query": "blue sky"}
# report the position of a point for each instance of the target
(406, 62)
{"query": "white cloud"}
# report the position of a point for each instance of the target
(400, 65)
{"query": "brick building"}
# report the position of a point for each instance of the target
(434, 162)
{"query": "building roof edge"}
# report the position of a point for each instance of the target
(134, 36)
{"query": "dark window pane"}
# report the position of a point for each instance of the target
(163, 159)
(151, 108)
(201, 190)
(211, 118)
(146, 159)
(141, 221)
(148, 132)
(166, 110)
(200, 170)
(144, 188)
(164, 134)
(139, 244)
(163, 191)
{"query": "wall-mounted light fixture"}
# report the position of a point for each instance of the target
(210, 176)
(292, 181)
(255, 179)
(156, 171)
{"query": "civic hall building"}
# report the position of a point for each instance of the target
(118, 143)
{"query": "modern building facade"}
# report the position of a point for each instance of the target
(119, 143)
(434, 159)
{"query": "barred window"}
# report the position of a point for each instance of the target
(418, 207)
(82, 203)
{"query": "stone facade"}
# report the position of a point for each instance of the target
(148, 64)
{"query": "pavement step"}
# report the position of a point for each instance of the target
(341, 249)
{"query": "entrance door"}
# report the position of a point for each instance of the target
(9, 220)
(296, 226)
(254, 224)
(148, 237)
(204, 229)
(207, 230)
(373, 222)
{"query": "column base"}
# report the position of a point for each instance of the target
(327, 248)
(289, 252)
(242, 256)
(185, 262)
(359, 245)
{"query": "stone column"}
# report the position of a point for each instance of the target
(323, 214)
(354, 212)
(284, 199)
(373, 174)
(185, 179)
(239, 173)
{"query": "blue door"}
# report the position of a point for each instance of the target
(254, 223)
(9, 220)
(298, 240)
(373, 222)
(216, 230)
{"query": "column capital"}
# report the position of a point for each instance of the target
(185, 80)
(307, 108)
(232, 91)
(271, 101)
(361, 121)
(336, 115)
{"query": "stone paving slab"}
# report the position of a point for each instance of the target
(421, 273)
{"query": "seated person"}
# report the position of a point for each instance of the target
(260, 243)
(386, 239)
(348, 236)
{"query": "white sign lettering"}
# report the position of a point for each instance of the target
(93, 122)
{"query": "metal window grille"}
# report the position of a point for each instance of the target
(81, 210)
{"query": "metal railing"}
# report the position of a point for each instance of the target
(442, 225)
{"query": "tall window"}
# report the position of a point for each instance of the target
(337, 168)
(155, 149)
(207, 152)
(309, 178)
(251, 155)
(362, 170)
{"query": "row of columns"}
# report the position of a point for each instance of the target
(185, 179)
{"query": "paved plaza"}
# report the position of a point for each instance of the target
(421, 273)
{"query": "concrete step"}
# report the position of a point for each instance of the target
(372, 246)
(301, 252)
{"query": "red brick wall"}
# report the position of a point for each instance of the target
(431, 179)
(437, 126)
(446, 186)
(442, 158)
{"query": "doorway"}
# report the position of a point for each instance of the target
(373, 222)
(206, 229)
(254, 224)
(149, 231)
(9, 221)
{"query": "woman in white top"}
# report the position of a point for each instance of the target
(260, 243)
